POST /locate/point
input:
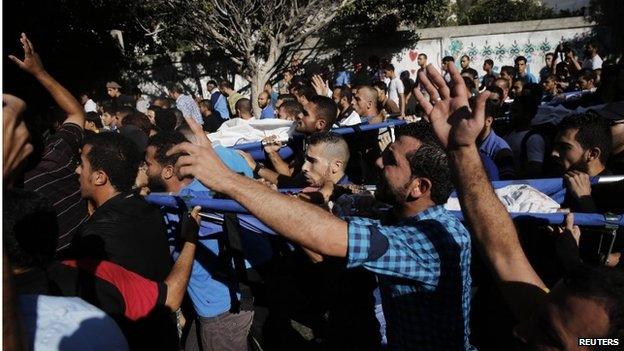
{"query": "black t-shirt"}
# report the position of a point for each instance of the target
(212, 123)
(128, 231)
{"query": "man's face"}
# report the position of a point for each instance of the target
(517, 88)
(394, 183)
(112, 92)
(389, 73)
(562, 321)
(548, 60)
(85, 174)
(504, 75)
(568, 153)
(154, 171)
(282, 114)
(521, 66)
(487, 67)
(308, 122)
(288, 76)
(585, 84)
(422, 61)
(465, 62)
(317, 168)
(549, 85)
(263, 100)
(361, 103)
(108, 119)
(210, 87)
(151, 114)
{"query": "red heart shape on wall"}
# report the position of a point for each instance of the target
(413, 55)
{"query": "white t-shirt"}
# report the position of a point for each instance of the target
(233, 122)
(395, 88)
(593, 63)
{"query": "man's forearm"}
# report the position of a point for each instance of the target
(402, 102)
(178, 278)
(63, 98)
(269, 175)
(301, 222)
(279, 164)
(488, 218)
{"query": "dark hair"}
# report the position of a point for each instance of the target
(588, 75)
(212, 82)
(244, 105)
(593, 131)
(29, 228)
(489, 62)
(510, 70)
(107, 108)
(125, 111)
(473, 72)
(292, 108)
(604, 285)
(115, 155)
(225, 84)
(496, 90)
(430, 161)
(549, 54)
(305, 90)
(448, 59)
(470, 84)
(286, 97)
(175, 88)
(163, 142)
(551, 77)
(492, 108)
(165, 119)
(325, 109)
(138, 120)
(420, 130)
(466, 56)
(207, 104)
(324, 137)
(520, 58)
(423, 55)
(347, 94)
(381, 85)
(95, 118)
(389, 67)
(521, 80)
(154, 108)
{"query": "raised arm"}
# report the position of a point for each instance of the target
(64, 99)
(178, 278)
(495, 234)
(301, 222)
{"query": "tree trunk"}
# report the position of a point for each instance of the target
(256, 82)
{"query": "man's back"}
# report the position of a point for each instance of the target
(127, 231)
(423, 268)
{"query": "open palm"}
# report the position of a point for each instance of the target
(448, 110)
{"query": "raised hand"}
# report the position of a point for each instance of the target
(31, 62)
(448, 110)
(271, 144)
(319, 85)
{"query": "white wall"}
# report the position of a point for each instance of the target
(501, 42)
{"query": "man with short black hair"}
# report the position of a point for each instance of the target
(289, 110)
(548, 69)
(216, 327)
(490, 76)
(93, 122)
(227, 89)
(464, 61)
(123, 228)
(212, 119)
(422, 60)
(447, 60)
(347, 116)
(244, 114)
(303, 93)
(389, 106)
(185, 103)
(419, 251)
(521, 70)
(495, 147)
(396, 89)
(508, 73)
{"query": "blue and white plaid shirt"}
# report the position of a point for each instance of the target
(189, 108)
(423, 267)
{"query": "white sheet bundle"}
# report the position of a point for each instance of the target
(255, 130)
(519, 198)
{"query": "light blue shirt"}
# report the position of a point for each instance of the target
(209, 294)
(68, 323)
(222, 107)
(267, 112)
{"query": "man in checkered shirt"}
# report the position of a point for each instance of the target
(186, 104)
(420, 252)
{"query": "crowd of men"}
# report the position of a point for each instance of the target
(91, 264)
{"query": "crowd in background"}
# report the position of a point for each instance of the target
(93, 265)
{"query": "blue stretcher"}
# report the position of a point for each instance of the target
(554, 188)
